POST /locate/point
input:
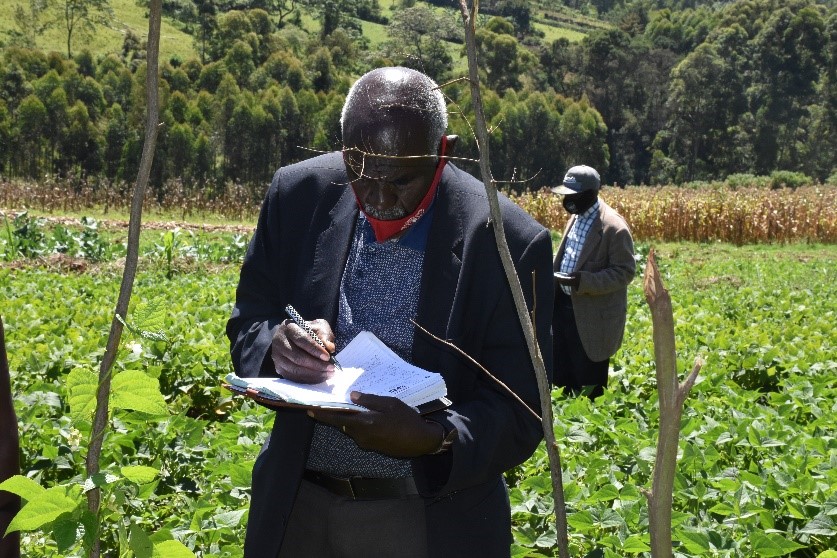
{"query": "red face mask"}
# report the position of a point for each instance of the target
(386, 229)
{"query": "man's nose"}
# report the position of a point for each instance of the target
(379, 194)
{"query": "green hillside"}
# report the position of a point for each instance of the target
(127, 16)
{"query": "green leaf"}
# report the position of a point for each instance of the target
(139, 474)
(241, 474)
(140, 543)
(696, 543)
(772, 544)
(134, 390)
(828, 554)
(24, 487)
(149, 320)
(229, 519)
(546, 540)
(98, 480)
(722, 508)
(605, 494)
(634, 545)
(65, 533)
(580, 521)
(82, 385)
(45, 508)
(172, 549)
(822, 525)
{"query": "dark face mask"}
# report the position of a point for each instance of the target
(579, 203)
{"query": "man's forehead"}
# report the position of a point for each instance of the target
(358, 158)
(391, 130)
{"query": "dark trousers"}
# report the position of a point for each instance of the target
(573, 368)
(324, 525)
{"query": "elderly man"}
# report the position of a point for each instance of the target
(594, 264)
(381, 236)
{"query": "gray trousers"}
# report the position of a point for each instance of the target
(324, 525)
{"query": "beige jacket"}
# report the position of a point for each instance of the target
(606, 265)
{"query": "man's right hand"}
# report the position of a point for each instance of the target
(297, 357)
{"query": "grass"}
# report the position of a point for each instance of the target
(551, 33)
(127, 16)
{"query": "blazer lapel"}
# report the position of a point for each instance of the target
(556, 263)
(591, 243)
(442, 263)
(330, 256)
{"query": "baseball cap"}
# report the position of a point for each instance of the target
(579, 178)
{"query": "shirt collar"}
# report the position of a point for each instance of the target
(592, 210)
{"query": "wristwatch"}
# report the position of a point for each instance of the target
(447, 440)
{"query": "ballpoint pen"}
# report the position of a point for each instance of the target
(291, 311)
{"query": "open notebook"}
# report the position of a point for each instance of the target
(369, 366)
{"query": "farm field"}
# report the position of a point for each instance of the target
(758, 461)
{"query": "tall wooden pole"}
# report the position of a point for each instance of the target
(481, 131)
(672, 394)
(100, 418)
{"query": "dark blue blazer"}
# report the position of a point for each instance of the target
(297, 257)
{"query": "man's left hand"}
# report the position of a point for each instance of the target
(390, 426)
(573, 280)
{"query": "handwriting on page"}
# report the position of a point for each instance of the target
(384, 373)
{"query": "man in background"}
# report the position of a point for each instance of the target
(9, 456)
(594, 264)
(382, 236)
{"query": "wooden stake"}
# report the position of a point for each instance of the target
(672, 394)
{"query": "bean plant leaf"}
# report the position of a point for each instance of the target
(580, 521)
(634, 545)
(98, 480)
(172, 549)
(828, 554)
(822, 525)
(230, 518)
(695, 542)
(605, 494)
(134, 390)
(65, 533)
(140, 543)
(772, 544)
(45, 508)
(24, 487)
(148, 321)
(81, 388)
(140, 474)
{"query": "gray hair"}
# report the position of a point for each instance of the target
(401, 89)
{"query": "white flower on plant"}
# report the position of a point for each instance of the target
(74, 438)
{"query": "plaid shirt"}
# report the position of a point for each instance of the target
(575, 241)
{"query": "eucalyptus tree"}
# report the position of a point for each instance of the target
(820, 141)
(503, 58)
(417, 39)
(789, 51)
(80, 17)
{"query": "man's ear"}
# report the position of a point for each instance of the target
(450, 144)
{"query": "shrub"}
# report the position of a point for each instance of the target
(743, 180)
(788, 179)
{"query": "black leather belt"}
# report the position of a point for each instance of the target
(362, 488)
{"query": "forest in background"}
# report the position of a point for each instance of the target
(656, 92)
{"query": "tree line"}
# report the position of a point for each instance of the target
(656, 96)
